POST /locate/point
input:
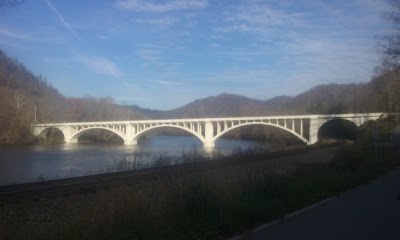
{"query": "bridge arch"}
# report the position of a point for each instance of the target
(44, 130)
(260, 123)
(76, 135)
(339, 129)
(139, 134)
(48, 133)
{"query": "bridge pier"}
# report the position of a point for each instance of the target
(130, 142)
(208, 135)
(71, 140)
(209, 144)
(315, 124)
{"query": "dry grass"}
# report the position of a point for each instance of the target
(208, 204)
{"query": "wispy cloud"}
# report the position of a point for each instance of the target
(13, 44)
(259, 17)
(215, 45)
(156, 58)
(150, 54)
(166, 83)
(25, 39)
(148, 6)
(99, 65)
(15, 35)
(61, 18)
(315, 42)
(102, 37)
(375, 5)
(163, 21)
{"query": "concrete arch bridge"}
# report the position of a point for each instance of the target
(208, 130)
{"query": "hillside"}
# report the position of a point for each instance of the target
(14, 75)
(26, 98)
(219, 106)
(338, 98)
(21, 92)
(323, 99)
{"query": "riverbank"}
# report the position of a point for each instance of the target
(43, 162)
(192, 202)
(203, 162)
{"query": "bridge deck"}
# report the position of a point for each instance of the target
(313, 116)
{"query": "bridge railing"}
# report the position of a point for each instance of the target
(213, 119)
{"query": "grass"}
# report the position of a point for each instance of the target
(211, 204)
(147, 159)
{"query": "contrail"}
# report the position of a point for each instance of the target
(61, 18)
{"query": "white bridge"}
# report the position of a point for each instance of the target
(208, 130)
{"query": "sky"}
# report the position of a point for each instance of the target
(162, 54)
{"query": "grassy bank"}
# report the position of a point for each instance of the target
(209, 204)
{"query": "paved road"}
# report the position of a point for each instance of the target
(370, 211)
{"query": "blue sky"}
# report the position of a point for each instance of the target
(164, 54)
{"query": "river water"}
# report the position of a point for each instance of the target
(22, 164)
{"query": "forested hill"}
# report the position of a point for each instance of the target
(21, 93)
(323, 99)
(225, 105)
(339, 98)
(13, 75)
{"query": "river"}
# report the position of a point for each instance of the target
(32, 163)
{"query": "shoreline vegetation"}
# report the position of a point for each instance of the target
(214, 203)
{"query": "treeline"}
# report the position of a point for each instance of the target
(26, 99)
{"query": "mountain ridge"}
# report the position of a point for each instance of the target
(322, 99)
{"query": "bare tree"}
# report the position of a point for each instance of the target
(389, 44)
(389, 48)
(18, 105)
(390, 86)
